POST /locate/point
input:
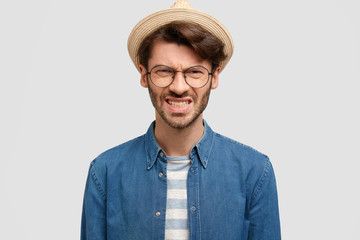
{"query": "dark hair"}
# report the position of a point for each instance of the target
(205, 44)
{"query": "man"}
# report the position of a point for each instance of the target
(180, 180)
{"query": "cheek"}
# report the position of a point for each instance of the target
(201, 93)
(155, 96)
(205, 95)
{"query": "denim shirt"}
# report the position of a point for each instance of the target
(231, 192)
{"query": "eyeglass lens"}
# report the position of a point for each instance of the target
(163, 76)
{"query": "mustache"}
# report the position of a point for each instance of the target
(175, 95)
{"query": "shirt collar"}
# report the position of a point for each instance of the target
(202, 148)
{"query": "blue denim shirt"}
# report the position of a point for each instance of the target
(231, 192)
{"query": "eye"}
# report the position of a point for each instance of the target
(162, 71)
(196, 72)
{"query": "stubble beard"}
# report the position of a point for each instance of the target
(182, 123)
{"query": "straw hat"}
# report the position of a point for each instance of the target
(180, 10)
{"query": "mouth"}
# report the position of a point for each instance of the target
(178, 105)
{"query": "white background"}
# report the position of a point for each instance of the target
(69, 91)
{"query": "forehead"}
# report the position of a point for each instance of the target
(175, 55)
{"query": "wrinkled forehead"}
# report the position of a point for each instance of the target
(175, 55)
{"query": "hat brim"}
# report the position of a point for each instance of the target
(152, 22)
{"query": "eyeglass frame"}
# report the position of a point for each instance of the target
(174, 72)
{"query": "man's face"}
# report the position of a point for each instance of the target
(179, 105)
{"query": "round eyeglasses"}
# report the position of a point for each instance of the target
(195, 76)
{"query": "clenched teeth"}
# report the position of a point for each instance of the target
(178, 104)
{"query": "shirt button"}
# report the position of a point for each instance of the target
(192, 170)
(161, 154)
(161, 174)
(193, 208)
(157, 214)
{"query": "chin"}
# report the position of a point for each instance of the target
(179, 123)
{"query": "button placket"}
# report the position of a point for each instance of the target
(193, 197)
(159, 195)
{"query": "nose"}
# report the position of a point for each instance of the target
(179, 85)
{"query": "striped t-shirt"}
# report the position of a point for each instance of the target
(176, 226)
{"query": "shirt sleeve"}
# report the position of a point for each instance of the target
(264, 210)
(93, 222)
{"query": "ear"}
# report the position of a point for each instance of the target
(143, 76)
(215, 78)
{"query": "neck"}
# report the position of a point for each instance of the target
(178, 142)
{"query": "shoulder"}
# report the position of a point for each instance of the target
(254, 166)
(112, 162)
(239, 151)
(251, 164)
(116, 155)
